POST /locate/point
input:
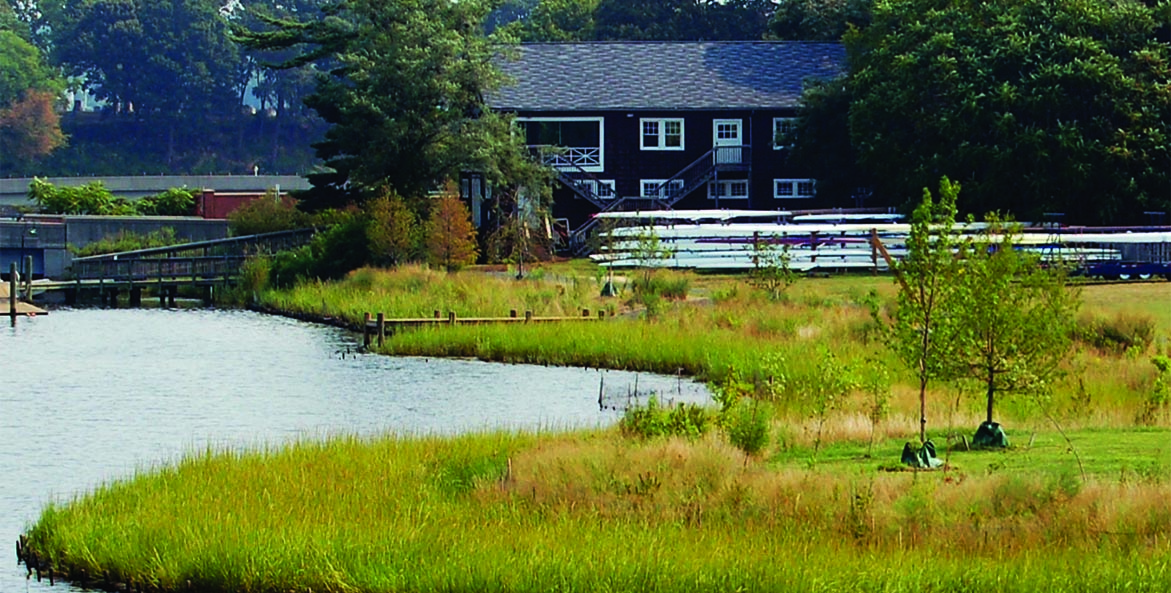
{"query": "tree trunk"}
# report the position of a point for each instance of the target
(922, 409)
(991, 394)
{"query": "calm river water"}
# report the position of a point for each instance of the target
(92, 395)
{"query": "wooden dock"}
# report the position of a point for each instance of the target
(14, 307)
(376, 327)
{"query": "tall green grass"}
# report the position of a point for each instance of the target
(592, 511)
(726, 325)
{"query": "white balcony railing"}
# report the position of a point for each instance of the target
(570, 157)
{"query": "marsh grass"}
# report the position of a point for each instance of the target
(588, 511)
(725, 324)
(594, 511)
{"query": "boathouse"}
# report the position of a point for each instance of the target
(652, 125)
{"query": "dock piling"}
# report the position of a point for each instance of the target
(28, 278)
(381, 328)
(366, 330)
(12, 284)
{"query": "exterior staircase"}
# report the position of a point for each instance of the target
(689, 179)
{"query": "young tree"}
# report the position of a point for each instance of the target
(770, 267)
(927, 283)
(1013, 317)
(392, 230)
(451, 240)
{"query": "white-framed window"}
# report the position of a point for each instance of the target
(784, 189)
(603, 188)
(736, 189)
(650, 188)
(782, 128)
(661, 134)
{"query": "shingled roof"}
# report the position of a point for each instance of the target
(663, 75)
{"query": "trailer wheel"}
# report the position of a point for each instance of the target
(1124, 276)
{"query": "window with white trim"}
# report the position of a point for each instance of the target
(782, 128)
(661, 134)
(736, 189)
(602, 188)
(793, 188)
(649, 188)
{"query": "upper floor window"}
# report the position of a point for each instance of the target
(662, 134)
(783, 129)
(793, 188)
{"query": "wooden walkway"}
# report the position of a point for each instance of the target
(204, 265)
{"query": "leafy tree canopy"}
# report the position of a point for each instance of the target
(1037, 106)
(29, 126)
(1013, 318)
(635, 20)
(22, 68)
(403, 94)
(164, 56)
(818, 20)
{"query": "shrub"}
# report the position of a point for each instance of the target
(1122, 333)
(128, 241)
(177, 201)
(655, 420)
(1159, 398)
(266, 215)
(747, 427)
(255, 274)
(332, 254)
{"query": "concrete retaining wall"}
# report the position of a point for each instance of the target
(14, 191)
(47, 238)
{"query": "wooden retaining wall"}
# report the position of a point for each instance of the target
(377, 326)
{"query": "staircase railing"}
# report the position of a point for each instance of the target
(690, 178)
(567, 162)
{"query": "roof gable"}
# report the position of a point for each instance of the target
(663, 75)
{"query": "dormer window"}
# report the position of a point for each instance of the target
(662, 134)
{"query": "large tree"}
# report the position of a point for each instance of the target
(159, 56)
(402, 88)
(1035, 106)
(818, 20)
(682, 20)
(29, 126)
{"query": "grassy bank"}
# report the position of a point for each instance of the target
(1079, 503)
(724, 325)
(597, 512)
